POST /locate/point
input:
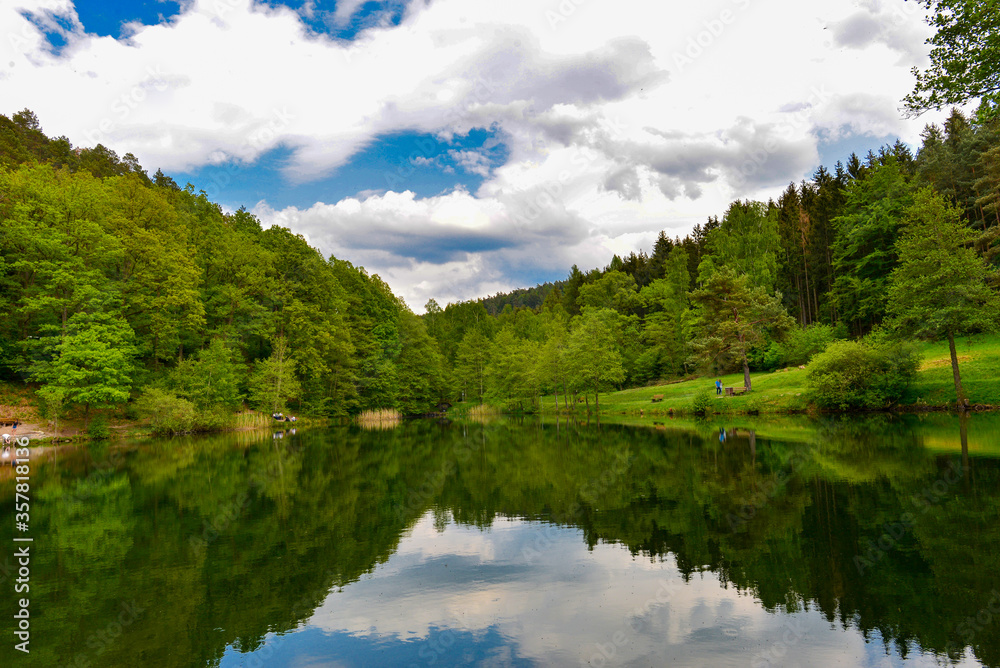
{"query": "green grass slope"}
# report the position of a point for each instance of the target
(785, 391)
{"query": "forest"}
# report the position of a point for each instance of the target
(125, 291)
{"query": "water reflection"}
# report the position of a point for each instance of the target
(843, 542)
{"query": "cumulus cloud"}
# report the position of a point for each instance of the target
(896, 25)
(602, 147)
(473, 162)
(450, 247)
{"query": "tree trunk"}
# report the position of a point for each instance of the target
(802, 306)
(960, 393)
(556, 394)
(597, 400)
(746, 375)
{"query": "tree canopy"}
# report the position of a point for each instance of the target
(965, 57)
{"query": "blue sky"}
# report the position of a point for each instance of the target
(419, 162)
(110, 17)
(464, 147)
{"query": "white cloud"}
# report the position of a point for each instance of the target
(634, 116)
(346, 9)
(571, 605)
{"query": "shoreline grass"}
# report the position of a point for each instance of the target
(381, 418)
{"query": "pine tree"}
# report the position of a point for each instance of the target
(734, 316)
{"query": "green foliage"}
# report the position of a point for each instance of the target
(166, 412)
(864, 251)
(965, 57)
(615, 290)
(180, 295)
(801, 344)
(212, 378)
(418, 367)
(592, 357)
(273, 381)
(510, 373)
(733, 317)
(854, 375)
(665, 331)
(98, 429)
(90, 364)
(702, 403)
(746, 242)
(940, 286)
(471, 360)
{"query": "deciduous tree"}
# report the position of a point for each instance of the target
(939, 290)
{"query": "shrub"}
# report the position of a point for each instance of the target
(98, 428)
(853, 375)
(166, 412)
(802, 344)
(702, 403)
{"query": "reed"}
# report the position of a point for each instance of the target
(253, 420)
(382, 418)
(483, 413)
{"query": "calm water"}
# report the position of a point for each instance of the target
(836, 543)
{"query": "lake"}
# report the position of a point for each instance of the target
(864, 541)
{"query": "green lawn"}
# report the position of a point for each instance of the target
(786, 391)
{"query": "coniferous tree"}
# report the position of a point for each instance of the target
(732, 317)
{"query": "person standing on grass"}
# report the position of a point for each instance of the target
(718, 387)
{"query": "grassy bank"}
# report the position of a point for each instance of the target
(786, 391)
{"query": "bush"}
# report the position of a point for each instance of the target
(802, 344)
(166, 412)
(98, 428)
(852, 375)
(702, 403)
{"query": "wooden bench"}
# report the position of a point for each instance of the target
(657, 398)
(733, 391)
